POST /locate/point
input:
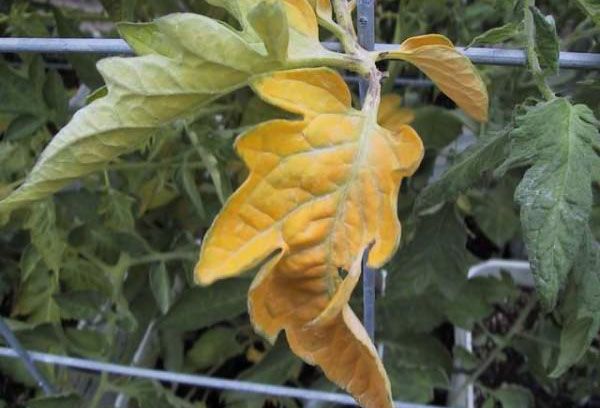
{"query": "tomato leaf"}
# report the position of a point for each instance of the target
(186, 62)
(304, 204)
(560, 144)
(451, 71)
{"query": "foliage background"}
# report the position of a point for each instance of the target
(92, 270)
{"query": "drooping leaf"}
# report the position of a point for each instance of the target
(560, 143)
(484, 156)
(546, 41)
(497, 35)
(186, 62)
(303, 204)
(451, 71)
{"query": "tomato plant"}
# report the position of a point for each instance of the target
(104, 208)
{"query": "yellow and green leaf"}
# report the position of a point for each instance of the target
(186, 62)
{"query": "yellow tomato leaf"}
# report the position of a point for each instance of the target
(450, 70)
(186, 62)
(320, 190)
(391, 116)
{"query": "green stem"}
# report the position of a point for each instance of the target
(100, 390)
(501, 345)
(164, 257)
(343, 16)
(532, 57)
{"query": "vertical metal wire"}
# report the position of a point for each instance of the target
(30, 366)
(366, 37)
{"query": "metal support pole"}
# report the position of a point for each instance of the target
(366, 37)
(482, 56)
(30, 366)
(197, 380)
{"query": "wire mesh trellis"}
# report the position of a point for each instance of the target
(365, 20)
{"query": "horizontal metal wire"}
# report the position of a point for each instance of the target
(484, 56)
(196, 380)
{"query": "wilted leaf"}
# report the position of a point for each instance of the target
(304, 201)
(451, 71)
(560, 142)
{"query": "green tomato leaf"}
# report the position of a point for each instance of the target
(160, 283)
(80, 305)
(546, 41)
(592, 8)
(560, 143)
(581, 308)
(213, 348)
(417, 364)
(482, 157)
(56, 401)
(202, 307)
(497, 35)
(45, 234)
(514, 396)
(437, 127)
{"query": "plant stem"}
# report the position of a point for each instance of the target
(501, 345)
(343, 15)
(532, 57)
(163, 257)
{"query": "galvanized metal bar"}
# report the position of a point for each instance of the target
(483, 56)
(196, 380)
(26, 359)
(365, 22)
